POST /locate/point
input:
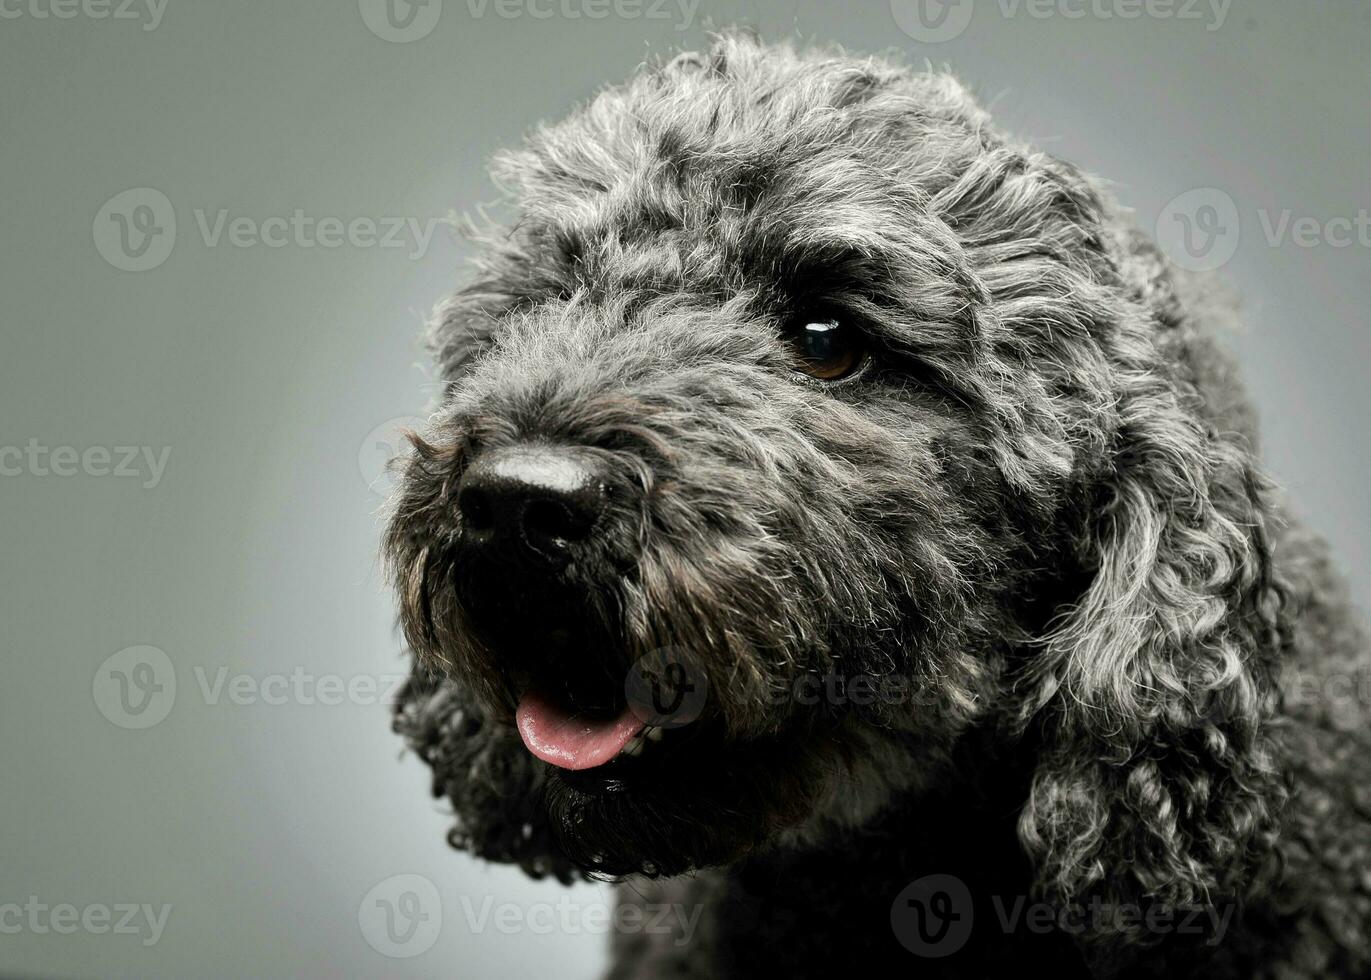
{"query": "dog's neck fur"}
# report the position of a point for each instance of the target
(843, 888)
(825, 907)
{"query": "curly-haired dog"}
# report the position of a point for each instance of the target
(925, 466)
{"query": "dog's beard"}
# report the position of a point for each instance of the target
(706, 806)
(760, 764)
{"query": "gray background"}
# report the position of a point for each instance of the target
(267, 370)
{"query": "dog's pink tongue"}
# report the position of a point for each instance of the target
(563, 738)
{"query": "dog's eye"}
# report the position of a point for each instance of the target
(825, 348)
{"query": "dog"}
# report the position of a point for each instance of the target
(799, 396)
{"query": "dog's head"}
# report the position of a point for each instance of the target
(797, 392)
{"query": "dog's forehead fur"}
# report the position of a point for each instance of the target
(752, 166)
(757, 180)
(751, 144)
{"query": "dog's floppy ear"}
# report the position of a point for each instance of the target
(481, 768)
(1157, 783)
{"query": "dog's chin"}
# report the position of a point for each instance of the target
(689, 800)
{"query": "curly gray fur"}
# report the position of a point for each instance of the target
(1039, 505)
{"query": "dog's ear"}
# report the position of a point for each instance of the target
(1150, 694)
(485, 773)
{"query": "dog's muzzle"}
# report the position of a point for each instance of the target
(528, 513)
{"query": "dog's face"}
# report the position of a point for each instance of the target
(783, 380)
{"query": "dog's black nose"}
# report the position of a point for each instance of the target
(530, 503)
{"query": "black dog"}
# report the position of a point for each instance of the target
(798, 390)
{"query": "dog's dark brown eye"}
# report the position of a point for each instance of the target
(826, 348)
